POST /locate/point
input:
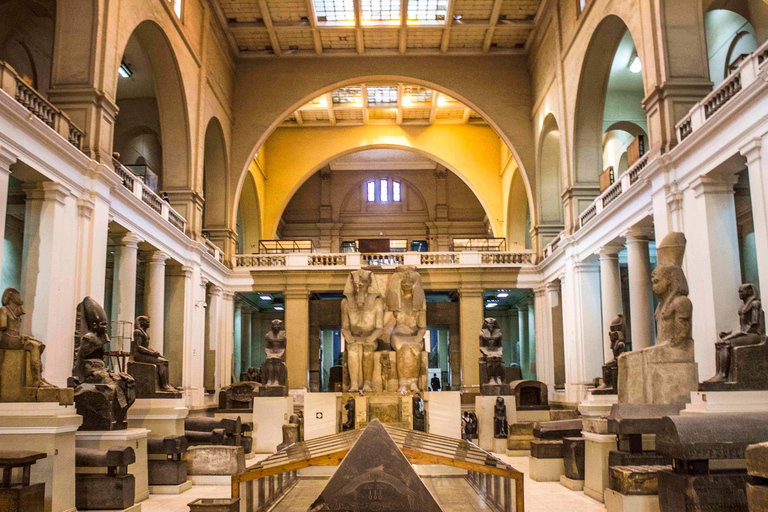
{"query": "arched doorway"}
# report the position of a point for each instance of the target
(549, 183)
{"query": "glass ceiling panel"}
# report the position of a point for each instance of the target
(335, 11)
(382, 95)
(348, 96)
(427, 11)
(380, 11)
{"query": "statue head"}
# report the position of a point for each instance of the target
(142, 322)
(491, 324)
(499, 401)
(277, 325)
(360, 284)
(93, 318)
(405, 283)
(12, 295)
(746, 292)
(669, 281)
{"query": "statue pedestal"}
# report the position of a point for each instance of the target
(145, 375)
(597, 448)
(443, 413)
(321, 414)
(719, 402)
(597, 405)
(160, 416)
(658, 375)
(136, 438)
(484, 409)
(49, 428)
(269, 415)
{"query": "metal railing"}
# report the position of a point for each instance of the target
(14, 85)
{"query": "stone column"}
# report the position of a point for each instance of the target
(712, 265)
(589, 344)
(245, 339)
(6, 160)
(640, 288)
(178, 306)
(154, 299)
(255, 335)
(471, 318)
(756, 152)
(225, 350)
(531, 342)
(514, 336)
(543, 346)
(555, 304)
(297, 334)
(610, 292)
(47, 282)
(213, 344)
(522, 323)
(237, 340)
(124, 297)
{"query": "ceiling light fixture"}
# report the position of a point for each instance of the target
(502, 295)
(265, 297)
(491, 304)
(279, 308)
(124, 70)
(636, 66)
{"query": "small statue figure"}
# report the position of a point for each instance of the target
(472, 425)
(492, 347)
(350, 407)
(419, 417)
(273, 368)
(290, 432)
(11, 339)
(362, 323)
(674, 312)
(252, 375)
(141, 353)
(500, 419)
(752, 323)
(618, 336)
(407, 302)
(102, 397)
(465, 426)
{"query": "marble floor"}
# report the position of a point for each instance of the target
(453, 494)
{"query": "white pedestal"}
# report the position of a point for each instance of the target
(320, 414)
(136, 438)
(545, 470)
(484, 409)
(596, 450)
(161, 416)
(49, 428)
(269, 415)
(597, 406)
(444, 413)
(615, 502)
(574, 485)
(719, 402)
(170, 489)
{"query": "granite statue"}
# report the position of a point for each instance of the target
(407, 302)
(618, 336)
(500, 427)
(21, 366)
(419, 415)
(252, 375)
(290, 432)
(742, 356)
(667, 372)
(238, 396)
(469, 423)
(148, 367)
(362, 323)
(102, 397)
(350, 407)
(274, 374)
(492, 348)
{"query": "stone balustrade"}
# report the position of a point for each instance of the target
(41, 108)
(354, 260)
(214, 250)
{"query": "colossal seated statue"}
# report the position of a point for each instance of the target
(362, 323)
(407, 302)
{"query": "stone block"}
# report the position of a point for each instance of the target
(558, 429)
(702, 493)
(167, 472)
(215, 460)
(617, 502)
(636, 480)
(268, 428)
(563, 414)
(545, 470)
(757, 460)
(547, 449)
(573, 457)
(757, 497)
(596, 450)
(104, 492)
(443, 413)
(570, 483)
(146, 385)
(657, 375)
(27, 498)
(519, 443)
(624, 458)
(523, 428)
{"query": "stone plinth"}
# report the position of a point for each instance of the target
(596, 450)
(617, 502)
(16, 382)
(484, 409)
(161, 416)
(135, 438)
(757, 468)
(597, 405)
(49, 428)
(721, 491)
(145, 376)
(573, 456)
(657, 375)
(570, 483)
(545, 470)
(719, 402)
(215, 460)
(443, 413)
(270, 413)
(320, 414)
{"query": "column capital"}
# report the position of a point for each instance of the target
(227, 295)
(638, 234)
(540, 291)
(130, 239)
(187, 271)
(522, 307)
(7, 158)
(296, 294)
(553, 286)
(714, 183)
(47, 191)
(215, 290)
(204, 281)
(85, 206)
(610, 251)
(158, 258)
(751, 150)
(586, 266)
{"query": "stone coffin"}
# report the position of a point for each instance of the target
(530, 395)
(168, 468)
(215, 460)
(636, 480)
(663, 374)
(559, 429)
(573, 457)
(113, 490)
(145, 375)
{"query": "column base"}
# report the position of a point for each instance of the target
(569, 483)
(617, 502)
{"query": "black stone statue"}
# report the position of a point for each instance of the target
(350, 407)
(492, 347)
(500, 419)
(274, 374)
(148, 367)
(102, 397)
(419, 416)
(618, 335)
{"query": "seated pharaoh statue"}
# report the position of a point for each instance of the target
(274, 373)
(491, 363)
(742, 356)
(407, 302)
(102, 397)
(618, 336)
(21, 366)
(665, 373)
(147, 366)
(362, 323)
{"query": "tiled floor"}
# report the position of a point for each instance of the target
(454, 495)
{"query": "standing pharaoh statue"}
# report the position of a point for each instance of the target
(273, 370)
(407, 302)
(492, 348)
(148, 386)
(362, 323)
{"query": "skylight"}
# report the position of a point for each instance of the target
(380, 11)
(382, 95)
(335, 11)
(427, 11)
(348, 96)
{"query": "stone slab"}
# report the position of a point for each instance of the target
(624, 458)
(570, 483)
(26, 498)
(547, 449)
(532, 415)
(720, 402)
(757, 460)
(215, 460)
(596, 450)
(720, 491)
(524, 428)
(484, 409)
(518, 453)
(757, 497)
(636, 480)
(573, 457)
(595, 425)
(49, 428)
(270, 413)
(596, 406)
(321, 414)
(443, 413)
(136, 438)
(161, 416)
(545, 470)
(616, 502)
(519, 443)
(558, 429)
(102, 491)
(170, 489)
(640, 418)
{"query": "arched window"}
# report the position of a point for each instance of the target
(383, 190)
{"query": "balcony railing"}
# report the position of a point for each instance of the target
(41, 108)
(353, 260)
(139, 189)
(742, 77)
(552, 246)
(612, 193)
(212, 249)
